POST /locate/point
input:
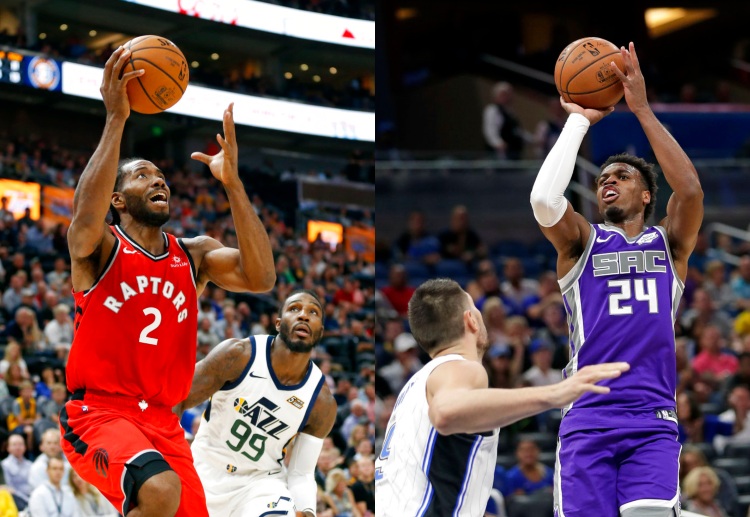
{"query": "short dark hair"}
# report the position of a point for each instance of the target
(648, 175)
(118, 184)
(302, 291)
(436, 313)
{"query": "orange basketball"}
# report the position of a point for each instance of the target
(166, 75)
(583, 74)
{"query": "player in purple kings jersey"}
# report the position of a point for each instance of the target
(621, 283)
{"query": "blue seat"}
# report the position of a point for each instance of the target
(416, 271)
(510, 248)
(451, 268)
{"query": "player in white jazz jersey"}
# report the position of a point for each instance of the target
(265, 391)
(439, 451)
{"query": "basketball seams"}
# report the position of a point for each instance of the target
(567, 85)
(161, 70)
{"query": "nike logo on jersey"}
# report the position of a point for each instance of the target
(599, 239)
(257, 376)
(274, 472)
(128, 251)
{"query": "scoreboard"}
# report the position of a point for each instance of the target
(29, 69)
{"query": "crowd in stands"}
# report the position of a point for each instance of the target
(38, 158)
(514, 285)
(356, 93)
(37, 307)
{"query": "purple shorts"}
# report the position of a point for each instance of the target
(612, 471)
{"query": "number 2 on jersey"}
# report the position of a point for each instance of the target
(145, 338)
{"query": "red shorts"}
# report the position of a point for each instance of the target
(101, 434)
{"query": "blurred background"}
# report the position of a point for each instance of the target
(466, 112)
(302, 76)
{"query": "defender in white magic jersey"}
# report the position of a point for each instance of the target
(267, 396)
(439, 451)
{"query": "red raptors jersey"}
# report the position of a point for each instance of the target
(136, 327)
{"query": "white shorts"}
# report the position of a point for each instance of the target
(238, 496)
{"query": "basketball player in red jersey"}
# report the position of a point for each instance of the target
(136, 290)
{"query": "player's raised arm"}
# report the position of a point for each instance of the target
(251, 267)
(685, 207)
(564, 227)
(460, 402)
(225, 363)
(94, 190)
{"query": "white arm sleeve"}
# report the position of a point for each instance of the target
(301, 477)
(548, 195)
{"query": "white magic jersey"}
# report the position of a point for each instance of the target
(248, 423)
(421, 473)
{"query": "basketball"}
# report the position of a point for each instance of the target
(166, 75)
(583, 74)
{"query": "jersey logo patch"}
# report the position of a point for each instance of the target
(101, 462)
(645, 239)
(256, 376)
(231, 469)
(294, 401)
(599, 239)
(128, 251)
(178, 262)
(259, 414)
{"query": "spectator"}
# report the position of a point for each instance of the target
(56, 278)
(741, 283)
(516, 289)
(357, 416)
(416, 243)
(51, 449)
(89, 501)
(692, 457)
(738, 415)
(25, 331)
(718, 288)
(228, 326)
(207, 338)
(713, 364)
(23, 415)
(59, 331)
(501, 128)
(12, 296)
(14, 377)
(364, 488)
(13, 355)
(703, 312)
(541, 373)
(494, 316)
(49, 410)
(340, 496)
(690, 419)
(407, 362)
(529, 475)
(16, 470)
(699, 489)
(398, 292)
(459, 241)
(43, 388)
(52, 497)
